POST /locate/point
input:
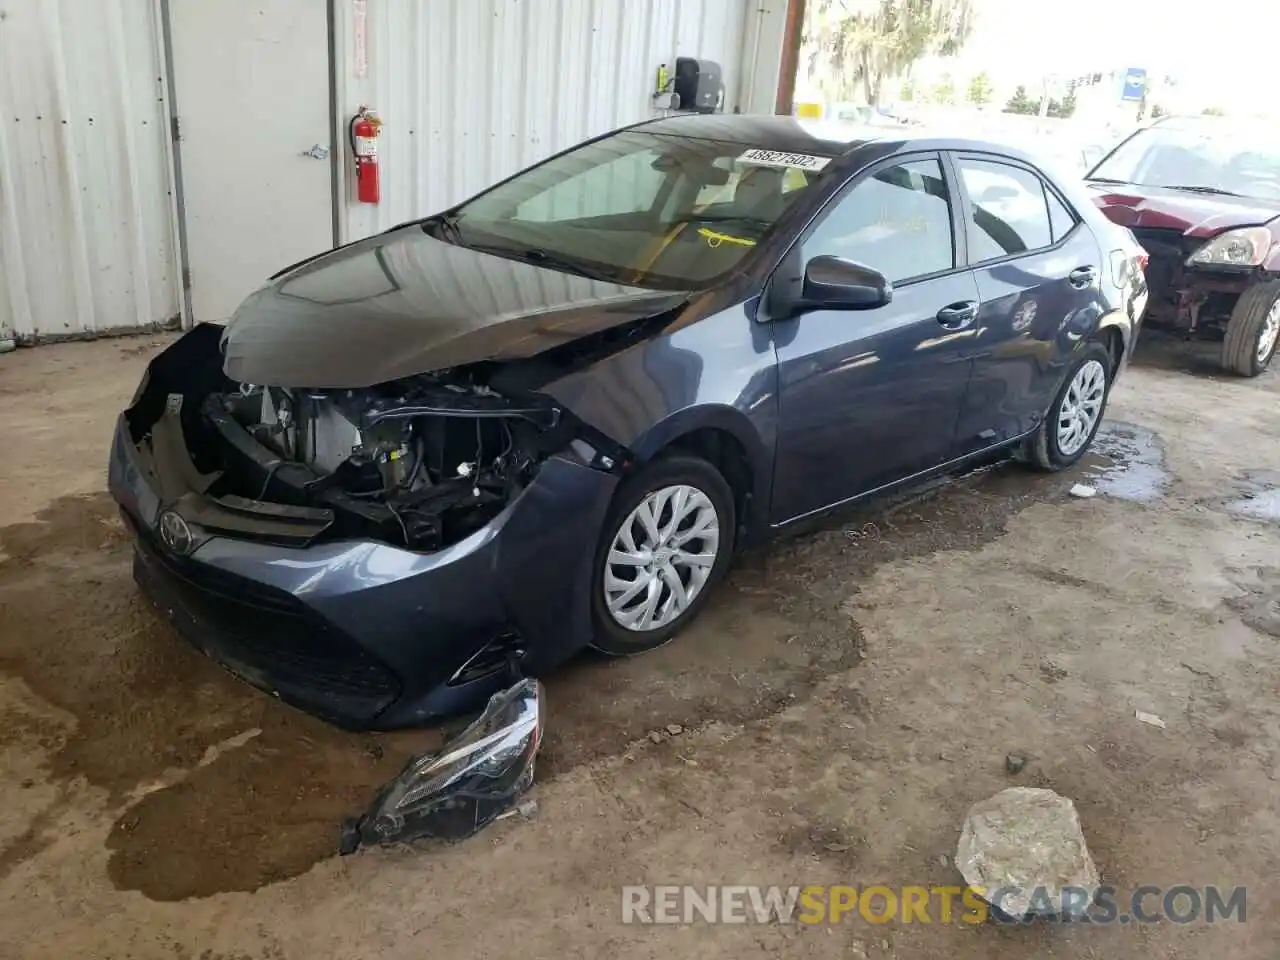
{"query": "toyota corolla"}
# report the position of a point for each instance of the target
(413, 469)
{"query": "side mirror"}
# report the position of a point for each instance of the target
(833, 283)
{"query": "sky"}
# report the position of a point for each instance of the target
(1227, 51)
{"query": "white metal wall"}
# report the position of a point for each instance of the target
(473, 90)
(87, 241)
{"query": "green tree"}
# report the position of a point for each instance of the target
(1213, 112)
(1158, 111)
(1063, 108)
(907, 92)
(851, 42)
(1021, 103)
(979, 93)
(944, 91)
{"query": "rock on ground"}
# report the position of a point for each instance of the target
(1021, 841)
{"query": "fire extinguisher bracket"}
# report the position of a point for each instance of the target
(362, 136)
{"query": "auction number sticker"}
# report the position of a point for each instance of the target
(790, 161)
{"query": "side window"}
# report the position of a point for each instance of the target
(1007, 212)
(898, 221)
(1060, 218)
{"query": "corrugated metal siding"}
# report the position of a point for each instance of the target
(473, 90)
(86, 226)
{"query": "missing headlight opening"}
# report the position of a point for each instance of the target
(420, 463)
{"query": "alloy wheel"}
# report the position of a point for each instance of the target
(1269, 332)
(1081, 407)
(661, 557)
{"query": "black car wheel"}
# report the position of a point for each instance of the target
(665, 544)
(1076, 413)
(1253, 330)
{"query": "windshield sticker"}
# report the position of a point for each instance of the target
(789, 161)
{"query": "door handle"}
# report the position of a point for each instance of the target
(1082, 277)
(317, 152)
(957, 316)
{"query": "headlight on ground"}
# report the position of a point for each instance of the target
(474, 778)
(1246, 247)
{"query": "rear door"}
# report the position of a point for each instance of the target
(1036, 266)
(868, 397)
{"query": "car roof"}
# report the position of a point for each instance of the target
(820, 137)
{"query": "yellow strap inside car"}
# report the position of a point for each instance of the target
(715, 239)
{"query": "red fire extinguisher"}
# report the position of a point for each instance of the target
(363, 134)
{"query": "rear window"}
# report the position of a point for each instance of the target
(1061, 219)
(1008, 213)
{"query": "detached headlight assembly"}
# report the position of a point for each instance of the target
(474, 778)
(1246, 247)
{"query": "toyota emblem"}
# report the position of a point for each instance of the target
(175, 533)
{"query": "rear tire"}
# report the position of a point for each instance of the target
(1253, 331)
(664, 546)
(1067, 433)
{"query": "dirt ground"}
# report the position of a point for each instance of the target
(847, 697)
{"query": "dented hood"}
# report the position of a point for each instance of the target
(404, 303)
(1195, 214)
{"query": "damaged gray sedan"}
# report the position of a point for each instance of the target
(415, 470)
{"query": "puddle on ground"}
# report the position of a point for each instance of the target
(1127, 463)
(1259, 496)
(152, 713)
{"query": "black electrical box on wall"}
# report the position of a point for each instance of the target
(697, 85)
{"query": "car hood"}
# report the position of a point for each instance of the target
(404, 303)
(1195, 214)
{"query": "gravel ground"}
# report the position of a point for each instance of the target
(849, 693)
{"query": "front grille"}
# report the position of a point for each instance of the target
(1169, 250)
(266, 636)
(1167, 243)
(1163, 240)
(214, 582)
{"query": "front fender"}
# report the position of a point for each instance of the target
(759, 448)
(1271, 265)
(718, 372)
(704, 417)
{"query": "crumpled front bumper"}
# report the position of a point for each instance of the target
(367, 635)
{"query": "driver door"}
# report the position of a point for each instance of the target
(869, 397)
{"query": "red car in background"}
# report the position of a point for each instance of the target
(1202, 195)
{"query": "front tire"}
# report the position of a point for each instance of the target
(665, 544)
(1253, 330)
(1076, 413)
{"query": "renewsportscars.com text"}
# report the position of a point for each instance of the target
(675, 904)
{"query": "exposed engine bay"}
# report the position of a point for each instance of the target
(439, 472)
(420, 463)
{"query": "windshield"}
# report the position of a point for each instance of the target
(1207, 157)
(647, 209)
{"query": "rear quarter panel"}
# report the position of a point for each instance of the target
(1109, 236)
